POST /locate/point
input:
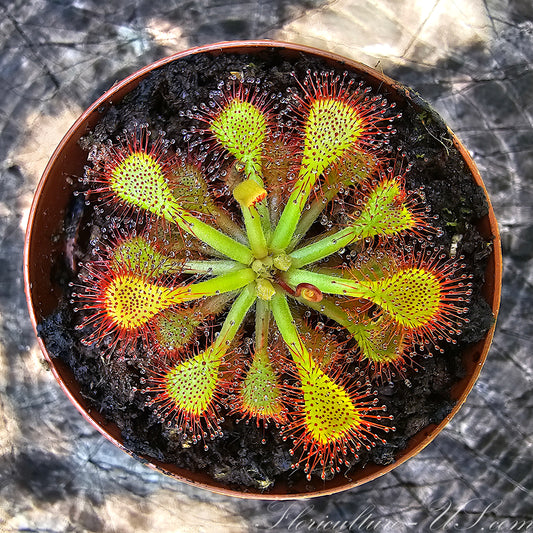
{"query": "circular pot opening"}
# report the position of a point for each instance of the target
(413, 166)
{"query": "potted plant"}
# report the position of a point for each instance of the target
(263, 269)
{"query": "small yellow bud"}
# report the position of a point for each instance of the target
(265, 290)
(282, 262)
(249, 192)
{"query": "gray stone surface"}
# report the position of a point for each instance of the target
(471, 59)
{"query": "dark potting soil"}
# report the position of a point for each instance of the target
(239, 458)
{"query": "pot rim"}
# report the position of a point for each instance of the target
(419, 440)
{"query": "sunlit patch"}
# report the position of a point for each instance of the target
(42, 133)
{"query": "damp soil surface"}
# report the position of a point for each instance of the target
(247, 457)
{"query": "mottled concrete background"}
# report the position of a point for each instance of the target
(472, 59)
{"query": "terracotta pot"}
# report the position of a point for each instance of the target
(44, 247)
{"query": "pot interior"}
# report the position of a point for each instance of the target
(45, 257)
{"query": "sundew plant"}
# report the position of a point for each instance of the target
(278, 286)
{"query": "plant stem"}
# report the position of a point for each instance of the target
(225, 223)
(213, 267)
(214, 238)
(254, 229)
(264, 215)
(284, 321)
(292, 212)
(216, 304)
(328, 308)
(324, 247)
(311, 214)
(220, 284)
(325, 283)
(249, 193)
(262, 324)
(234, 319)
